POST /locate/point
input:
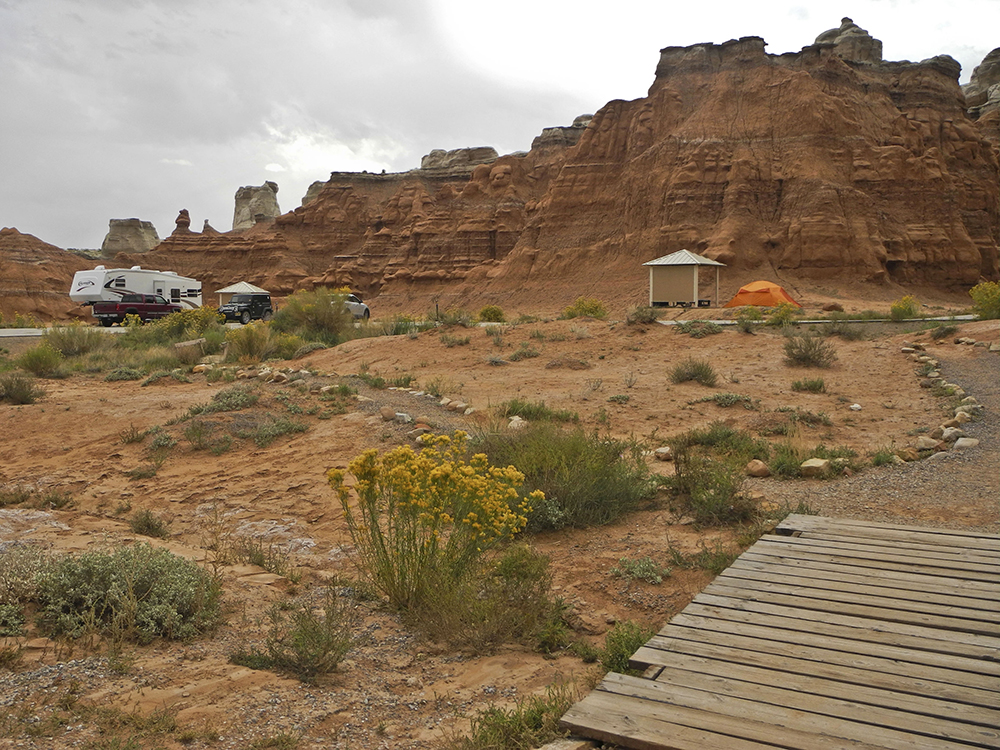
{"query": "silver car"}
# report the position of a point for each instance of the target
(357, 308)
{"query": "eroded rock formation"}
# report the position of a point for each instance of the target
(35, 278)
(255, 205)
(129, 236)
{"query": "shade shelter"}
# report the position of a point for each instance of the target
(761, 294)
(673, 280)
(240, 287)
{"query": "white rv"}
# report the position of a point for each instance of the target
(109, 284)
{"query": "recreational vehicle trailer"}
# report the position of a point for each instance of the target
(109, 284)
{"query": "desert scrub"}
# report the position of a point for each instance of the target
(432, 514)
(124, 373)
(267, 428)
(725, 400)
(42, 360)
(75, 340)
(694, 369)
(532, 722)
(809, 385)
(621, 642)
(782, 315)
(642, 314)
(491, 314)
(20, 565)
(587, 479)
(809, 351)
(748, 319)
(19, 388)
(145, 522)
(986, 300)
(139, 591)
(535, 411)
(586, 307)
(907, 307)
(450, 341)
(251, 343)
(641, 569)
(698, 329)
(524, 351)
(315, 315)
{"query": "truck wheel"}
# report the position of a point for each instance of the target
(107, 322)
(267, 315)
(244, 317)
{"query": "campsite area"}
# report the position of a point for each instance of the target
(396, 688)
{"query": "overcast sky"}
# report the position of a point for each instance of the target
(138, 108)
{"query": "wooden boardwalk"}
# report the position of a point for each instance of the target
(827, 634)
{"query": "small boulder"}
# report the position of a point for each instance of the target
(516, 423)
(965, 442)
(908, 454)
(814, 467)
(952, 434)
(833, 307)
(664, 453)
(961, 417)
(403, 418)
(937, 433)
(388, 413)
(758, 468)
(925, 443)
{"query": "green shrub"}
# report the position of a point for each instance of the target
(883, 457)
(307, 644)
(586, 307)
(251, 343)
(694, 369)
(525, 351)
(845, 330)
(726, 441)
(986, 300)
(42, 360)
(782, 315)
(451, 317)
(185, 325)
(267, 428)
(123, 373)
(19, 388)
(587, 479)
(810, 385)
(943, 331)
(532, 722)
(642, 569)
(907, 307)
(642, 314)
(316, 315)
(11, 621)
(787, 461)
(233, 398)
(535, 411)
(146, 523)
(140, 591)
(809, 351)
(491, 314)
(621, 642)
(714, 559)
(748, 318)
(698, 329)
(74, 340)
(20, 565)
(725, 400)
(450, 341)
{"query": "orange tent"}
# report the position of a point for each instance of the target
(761, 294)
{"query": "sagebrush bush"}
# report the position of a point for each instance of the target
(185, 325)
(748, 318)
(307, 644)
(642, 314)
(491, 314)
(315, 315)
(535, 411)
(251, 343)
(427, 518)
(19, 388)
(694, 369)
(451, 317)
(907, 307)
(586, 307)
(986, 300)
(41, 360)
(147, 523)
(74, 340)
(141, 591)
(809, 351)
(586, 479)
(20, 565)
(810, 385)
(698, 329)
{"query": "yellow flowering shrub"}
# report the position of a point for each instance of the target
(429, 516)
(907, 307)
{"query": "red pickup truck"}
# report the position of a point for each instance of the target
(146, 306)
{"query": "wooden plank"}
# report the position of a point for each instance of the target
(848, 708)
(863, 663)
(774, 630)
(833, 601)
(661, 651)
(790, 724)
(970, 539)
(861, 586)
(759, 559)
(901, 634)
(651, 725)
(926, 566)
(923, 550)
(811, 685)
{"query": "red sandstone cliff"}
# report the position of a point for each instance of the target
(35, 278)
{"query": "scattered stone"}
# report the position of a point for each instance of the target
(927, 383)
(952, 434)
(995, 347)
(814, 467)
(403, 418)
(950, 423)
(664, 453)
(981, 343)
(937, 433)
(908, 454)
(855, 407)
(279, 377)
(516, 423)
(969, 400)
(417, 432)
(961, 418)
(965, 442)
(758, 468)
(907, 350)
(833, 307)
(896, 460)
(202, 368)
(388, 413)
(925, 443)
(458, 406)
(936, 456)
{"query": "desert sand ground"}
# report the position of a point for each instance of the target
(397, 689)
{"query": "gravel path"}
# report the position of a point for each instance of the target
(958, 489)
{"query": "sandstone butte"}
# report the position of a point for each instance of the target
(828, 165)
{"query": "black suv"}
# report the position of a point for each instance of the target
(247, 307)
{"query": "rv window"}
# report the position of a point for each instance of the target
(193, 292)
(120, 281)
(175, 294)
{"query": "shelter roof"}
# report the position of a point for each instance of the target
(683, 258)
(242, 287)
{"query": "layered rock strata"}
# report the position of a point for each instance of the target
(129, 236)
(255, 204)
